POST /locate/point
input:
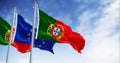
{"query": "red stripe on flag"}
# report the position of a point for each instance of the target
(23, 48)
(73, 38)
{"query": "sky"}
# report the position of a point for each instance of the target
(96, 20)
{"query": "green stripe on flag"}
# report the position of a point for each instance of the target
(44, 23)
(4, 33)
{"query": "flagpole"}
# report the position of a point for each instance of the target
(33, 31)
(37, 23)
(14, 13)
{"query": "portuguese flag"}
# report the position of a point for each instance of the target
(4, 32)
(56, 31)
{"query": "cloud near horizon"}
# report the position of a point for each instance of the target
(102, 37)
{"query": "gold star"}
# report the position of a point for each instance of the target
(28, 34)
(40, 45)
(28, 38)
(43, 43)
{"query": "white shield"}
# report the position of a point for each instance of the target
(56, 31)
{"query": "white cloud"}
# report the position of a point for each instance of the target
(86, 22)
(102, 40)
(23, 60)
(104, 2)
(66, 18)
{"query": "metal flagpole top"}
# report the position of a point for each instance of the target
(14, 9)
(35, 4)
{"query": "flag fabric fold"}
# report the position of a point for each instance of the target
(22, 40)
(4, 32)
(58, 32)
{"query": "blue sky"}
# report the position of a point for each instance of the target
(96, 20)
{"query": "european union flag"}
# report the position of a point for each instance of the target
(23, 37)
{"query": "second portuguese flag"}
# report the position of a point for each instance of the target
(56, 31)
